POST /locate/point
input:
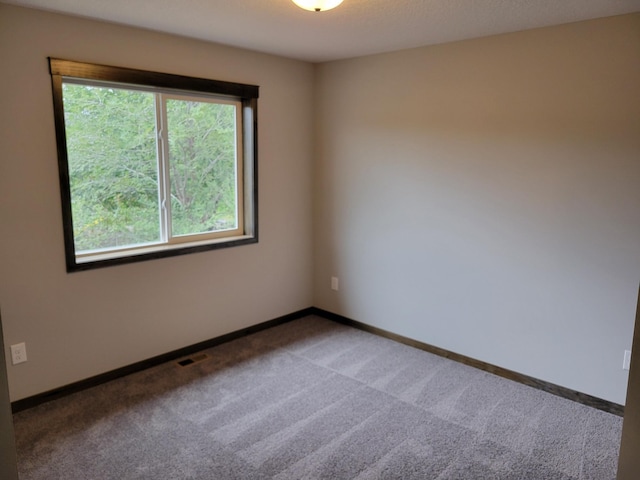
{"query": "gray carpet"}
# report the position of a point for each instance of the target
(312, 399)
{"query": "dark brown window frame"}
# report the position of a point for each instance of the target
(247, 94)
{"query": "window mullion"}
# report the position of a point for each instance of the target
(164, 185)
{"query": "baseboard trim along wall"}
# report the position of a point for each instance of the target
(44, 397)
(567, 393)
(564, 392)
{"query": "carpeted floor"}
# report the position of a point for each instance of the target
(313, 399)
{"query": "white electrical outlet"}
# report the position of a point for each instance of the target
(19, 353)
(626, 363)
(334, 283)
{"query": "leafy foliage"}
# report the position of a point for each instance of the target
(114, 165)
(203, 166)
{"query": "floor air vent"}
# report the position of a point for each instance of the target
(193, 359)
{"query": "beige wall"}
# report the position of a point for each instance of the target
(82, 324)
(484, 196)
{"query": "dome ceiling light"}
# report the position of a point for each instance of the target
(317, 5)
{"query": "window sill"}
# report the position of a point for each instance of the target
(118, 257)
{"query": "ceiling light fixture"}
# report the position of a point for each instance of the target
(317, 5)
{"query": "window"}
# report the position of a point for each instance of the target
(152, 164)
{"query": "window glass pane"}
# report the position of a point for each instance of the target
(202, 163)
(113, 168)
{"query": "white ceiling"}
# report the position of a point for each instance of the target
(355, 28)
